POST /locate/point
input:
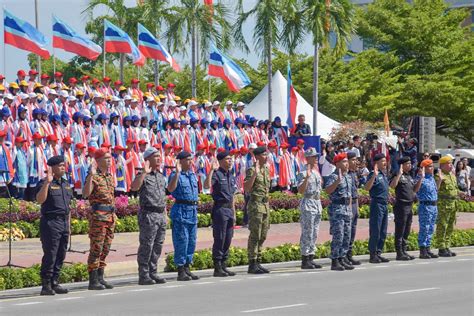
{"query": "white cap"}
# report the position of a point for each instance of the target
(71, 98)
(182, 108)
(134, 100)
(98, 94)
(54, 92)
(171, 103)
(207, 104)
(159, 103)
(24, 96)
(228, 102)
(252, 146)
(192, 102)
(86, 112)
(63, 94)
(216, 103)
(32, 95)
(115, 99)
(149, 152)
(127, 97)
(240, 104)
(9, 96)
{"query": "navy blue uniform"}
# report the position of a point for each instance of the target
(378, 212)
(223, 190)
(355, 206)
(54, 227)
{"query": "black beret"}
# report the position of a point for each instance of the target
(223, 155)
(259, 150)
(183, 155)
(378, 157)
(55, 160)
(351, 154)
(402, 160)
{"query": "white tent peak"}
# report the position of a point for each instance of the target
(259, 106)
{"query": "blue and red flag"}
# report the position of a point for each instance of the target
(152, 48)
(66, 38)
(292, 102)
(225, 68)
(117, 41)
(23, 35)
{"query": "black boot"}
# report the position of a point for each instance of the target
(336, 265)
(346, 264)
(315, 265)
(382, 259)
(401, 256)
(94, 283)
(224, 267)
(218, 272)
(265, 270)
(305, 263)
(155, 277)
(443, 253)
(351, 259)
(182, 276)
(423, 253)
(253, 267)
(432, 255)
(58, 289)
(374, 258)
(145, 280)
(404, 249)
(100, 274)
(46, 287)
(453, 254)
(189, 273)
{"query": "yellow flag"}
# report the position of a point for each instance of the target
(386, 122)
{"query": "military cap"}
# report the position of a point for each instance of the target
(378, 157)
(351, 154)
(183, 155)
(426, 163)
(150, 151)
(259, 150)
(340, 157)
(310, 152)
(55, 160)
(445, 159)
(222, 155)
(403, 160)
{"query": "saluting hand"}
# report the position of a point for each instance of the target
(376, 169)
(147, 168)
(215, 164)
(93, 167)
(400, 171)
(441, 176)
(257, 167)
(178, 166)
(340, 175)
(421, 172)
(49, 175)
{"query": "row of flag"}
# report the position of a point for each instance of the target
(25, 36)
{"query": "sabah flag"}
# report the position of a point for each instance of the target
(117, 41)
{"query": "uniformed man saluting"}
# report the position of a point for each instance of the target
(54, 195)
(223, 213)
(152, 217)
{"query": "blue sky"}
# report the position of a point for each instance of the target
(70, 12)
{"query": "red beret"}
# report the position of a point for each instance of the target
(106, 79)
(72, 80)
(220, 150)
(284, 146)
(272, 144)
(51, 137)
(118, 83)
(160, 88)
(118, 148)
(142, 142)
(99, 153)
(84, 78)
(300, 141)
(130, 141)
(3, 134)
(150, 84)
(37, 136)
(105, 145)
(244, 150)
(260, 144)
(234, 151)
(168, 146)
(18, 139)
(45, 76)
(295, 149)
(95, 80)
(67, 140)
(426, 163)
(135, 80)
(21, 73)
(340, 157)
(178, 148)
(212, 146)
(201, 146)
(157, 146)
(81, 146)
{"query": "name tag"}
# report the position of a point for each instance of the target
(54, 187)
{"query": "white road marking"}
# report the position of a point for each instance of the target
(442, 261)
(284, 274)
(360, 268)
(273, 308)
(139, 290)
(381, 266)
(415, 290)
(69, 298)
(404, 264)
(203, 283)
(464, 260)
(107, 294)
(231, 280)
(424, 262)
(259, 277)
(29, 303)
(171, 286)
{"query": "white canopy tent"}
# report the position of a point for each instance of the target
(259, 106)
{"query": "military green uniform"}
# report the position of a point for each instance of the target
(447, 200)
(259, 211)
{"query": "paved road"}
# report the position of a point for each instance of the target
(420, 287)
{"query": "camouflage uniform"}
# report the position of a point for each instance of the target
(340, 214)
(152, 222)
(447, 196)
(310, 212)
(101, 220)
(259, 211)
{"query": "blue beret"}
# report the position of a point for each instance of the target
(223, 155)
(55, 160)
(183, 155)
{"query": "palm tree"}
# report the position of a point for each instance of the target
(193, 17)
(323, 18)
(266, 34)
(123, 17)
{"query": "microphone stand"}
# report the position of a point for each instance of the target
(9, 264)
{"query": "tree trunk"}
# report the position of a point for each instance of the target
(315, 88)
(270, 74)
(122, 62)
(193, 60)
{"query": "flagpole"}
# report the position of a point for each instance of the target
(54, 60)
(103, 70)
(209, 80)
(37, 27)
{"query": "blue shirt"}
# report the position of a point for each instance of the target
(186, 189)
(428, 190)
(344, 188)
(380, 188)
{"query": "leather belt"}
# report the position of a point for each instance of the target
(432, 203)
(341, 201)
(103, 207)
(154, 209)
(186, 202)
(315, 196)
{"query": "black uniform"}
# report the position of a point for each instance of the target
(54, 227)
(404, 197)
(223, 190)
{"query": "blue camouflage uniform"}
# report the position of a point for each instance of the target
(378, 212)
(184, 217)
(340, 214)
(427, 209)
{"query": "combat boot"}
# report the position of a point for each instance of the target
(432, 255)
(189, 273)
(46, 287)
(265, 270)
(155, 277)
(404, 249)
(224, 267)
(182, 276)
(145, 281)
(94, 283)
(305, 263)
(424, 254)
(453, 254)
(346, 264)
(100, 274)
(253, 267)
(336, 265)
(218, 272)
(351, 259)
(401, 256)
(315, 265)
(374, 258)
(382, 259)
(443, 253)
(58, 289)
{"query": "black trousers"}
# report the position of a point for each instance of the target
(54, 235)
(355, 217)
(403, 214)
(222, 231)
